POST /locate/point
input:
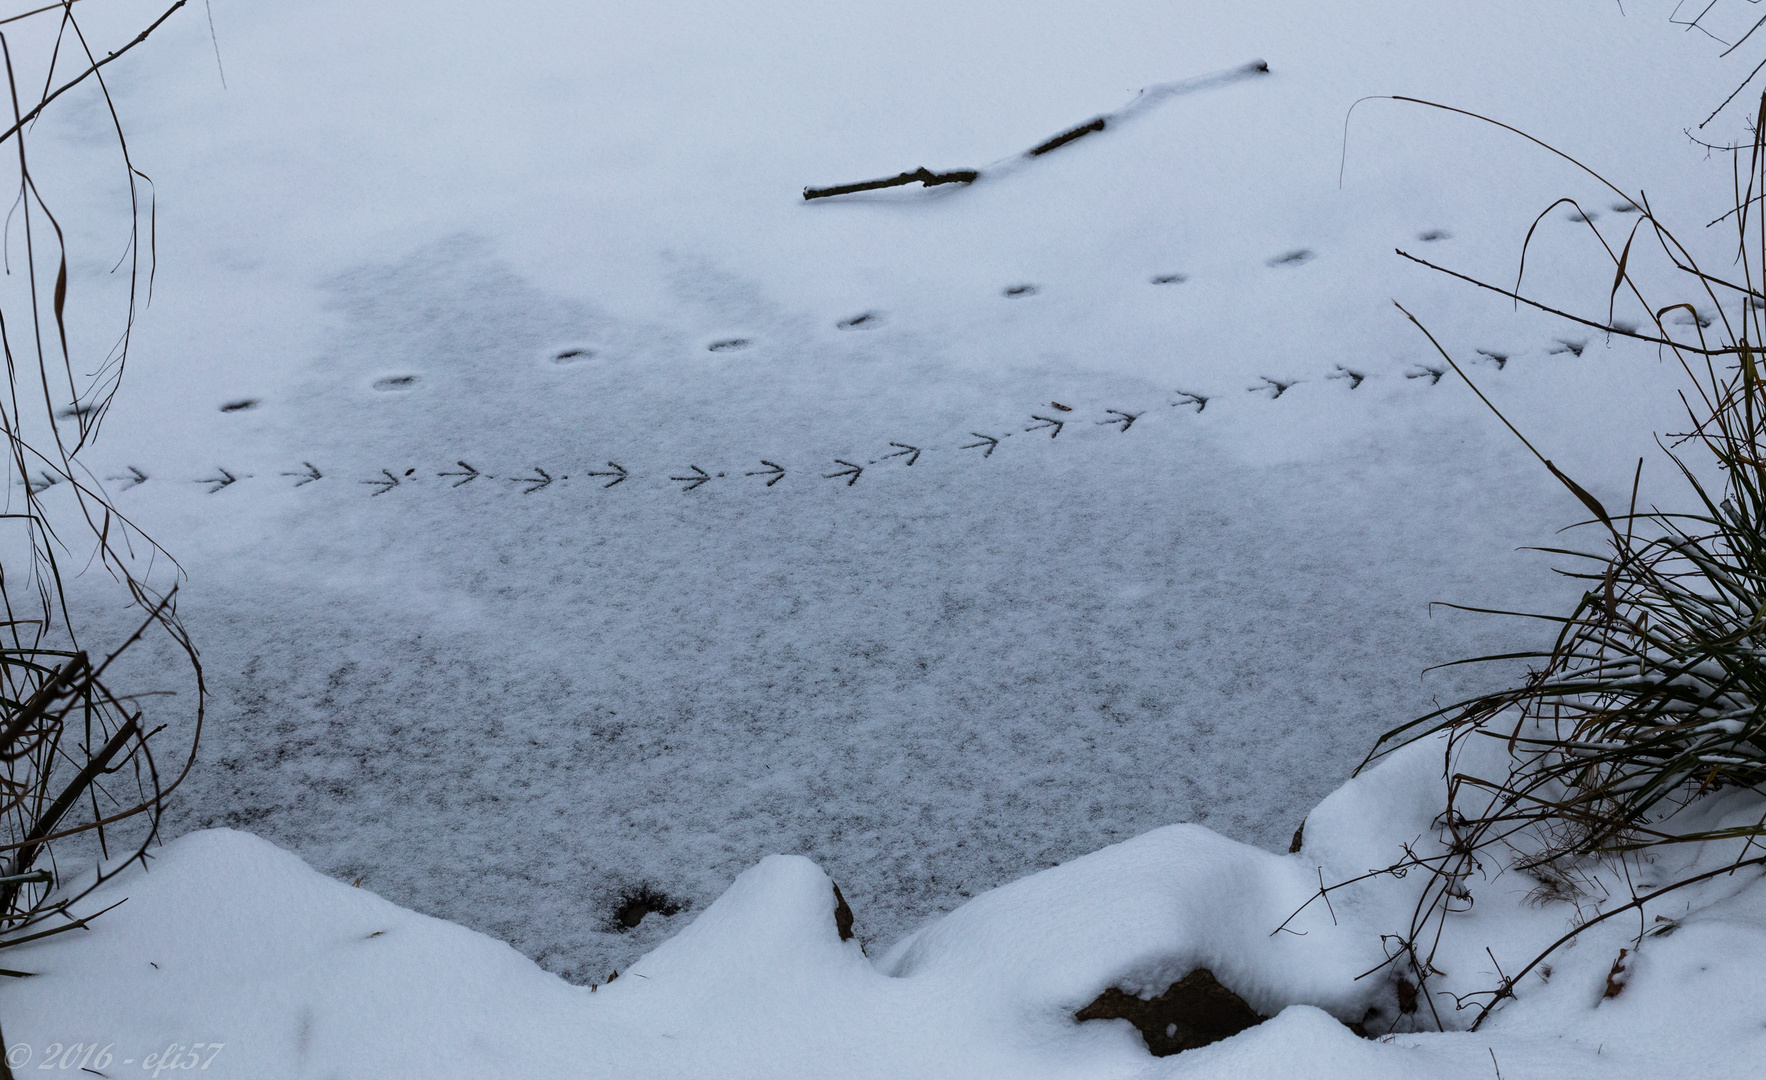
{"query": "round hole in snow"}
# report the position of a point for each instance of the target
(1297, 257)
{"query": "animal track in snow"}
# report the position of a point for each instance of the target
(1052, 418)
(773, 470)
(852, 472)
(225, 479)
(135, 478)
(466, 473)
(617, 471)
(699, 476)
(1297, 257)
(539, 481)
(307, 476)
(389, 483)
(864, 320)
(1014, 292)
(729, 345)
(241, 405)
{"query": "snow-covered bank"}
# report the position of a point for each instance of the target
(233, 957)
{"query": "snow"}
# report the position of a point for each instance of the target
(276, 970)
(503, 706)
(444, 248)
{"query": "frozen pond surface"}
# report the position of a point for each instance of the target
(572, 514)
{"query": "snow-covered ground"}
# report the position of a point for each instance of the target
(234, 958)
(1105, 493)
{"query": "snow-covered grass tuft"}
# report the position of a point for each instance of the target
(1644, 724)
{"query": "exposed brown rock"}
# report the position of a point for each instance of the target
(1193, 1011)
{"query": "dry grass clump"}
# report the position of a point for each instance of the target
(78, 774)
(1651, 698)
